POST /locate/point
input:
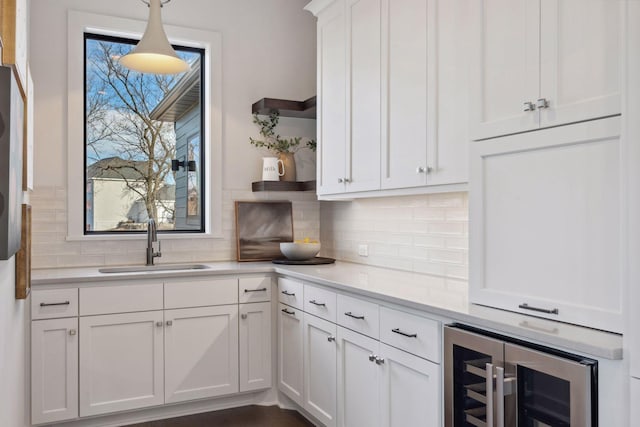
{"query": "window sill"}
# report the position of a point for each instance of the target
(141, 236)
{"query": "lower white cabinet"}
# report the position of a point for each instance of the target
(255, 346)
(201, 352)
(320, 362)
(121, 362)
(54, 370)
(290, 345)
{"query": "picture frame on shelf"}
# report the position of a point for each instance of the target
(260, 227)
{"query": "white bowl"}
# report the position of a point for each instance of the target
(299, 251)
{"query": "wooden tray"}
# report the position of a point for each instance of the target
(313, 261)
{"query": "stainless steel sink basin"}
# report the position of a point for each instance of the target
(151, 268)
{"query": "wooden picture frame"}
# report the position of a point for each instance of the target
(260, 227)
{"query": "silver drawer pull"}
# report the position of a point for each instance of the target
(48, 304)
(255, 290)
(404, 334)
(319, 304)
(290, 313)
(72, 332)
(331, 338)
(348, 313)
(289, 294)
(169, 322)
(159, 324)
(379, 360)
(526, 306)
(372, 357)
(243, 316)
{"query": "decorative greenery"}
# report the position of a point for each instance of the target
(274, 142)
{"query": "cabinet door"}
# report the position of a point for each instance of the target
(121, 362)
(581, 58)
(54, 370)
(358, 399)
(404, 159)
(255, 346)
(364, 94)
(409, 390)
(545, 211)
(505, 71)
(201, 352)
(290, 340)
(320, 365)
(332, 92)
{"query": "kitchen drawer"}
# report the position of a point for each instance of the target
(254, 289)
(120, 299)
(200, 293)
(414, 334)
(290, 292)
(358, 315)
(320, 302)
(54, 303)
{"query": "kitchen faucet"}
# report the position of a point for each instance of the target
(152, 236)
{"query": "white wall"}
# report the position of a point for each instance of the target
(268, 50)
(14, 351)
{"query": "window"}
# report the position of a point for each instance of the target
(143, 153)
(188, 198)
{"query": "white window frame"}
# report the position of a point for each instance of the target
(211, 42)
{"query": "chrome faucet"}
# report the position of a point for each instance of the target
(152, 236)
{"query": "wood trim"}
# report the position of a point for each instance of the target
(23, 256)
(8, 30)
(299, 109)
(283, 186)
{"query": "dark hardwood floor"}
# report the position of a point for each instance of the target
(247, 416)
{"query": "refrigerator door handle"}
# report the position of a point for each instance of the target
(489, 380)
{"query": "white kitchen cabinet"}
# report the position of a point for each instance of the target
(290, 352)
(544, 63)
(409, 390)
(201, 352)
(320, 369)
(545, 235)
(634, 398)
(255, 346)
(121, 362)
(54, 370)
(358, 378)
(426, 96)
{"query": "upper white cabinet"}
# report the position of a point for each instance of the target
(544, 63)
(546, 228)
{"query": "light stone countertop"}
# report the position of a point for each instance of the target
(430, 294)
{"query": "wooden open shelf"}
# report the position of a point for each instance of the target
(283, 186)
(298, 109)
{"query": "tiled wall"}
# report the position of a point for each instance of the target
(50, 249)
(424, 234)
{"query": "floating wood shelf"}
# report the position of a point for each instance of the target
(283, 186)
(298, 109)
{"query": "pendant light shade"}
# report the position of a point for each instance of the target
(154, 54)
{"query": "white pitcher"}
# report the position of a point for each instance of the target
(271, 169)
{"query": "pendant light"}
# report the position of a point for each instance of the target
(153, 53)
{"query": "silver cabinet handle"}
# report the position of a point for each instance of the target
(489, 391)
(529, 106)
(72, 332)
(159, 324)
(255, 290)
(169, 322)
(379, 360)
(372, 357)
(289, 294)
(349, 314)
(542, 103)
(48, 304)
(290, 313)
(331, 338)
(421, 169)
(404, 334)
(347, 180)
(243, 316)
(319, 304)
(526, 306)
(500, 396)
(340, 180)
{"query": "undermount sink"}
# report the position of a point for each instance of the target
(143, 268)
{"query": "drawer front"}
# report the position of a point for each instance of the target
(411, 333)
(320, 302)
(290, 292)
(254, 289)
(120, 299)
(54, 303)
(200, 293)
(358, 315)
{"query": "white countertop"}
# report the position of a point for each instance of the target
(426, 293)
